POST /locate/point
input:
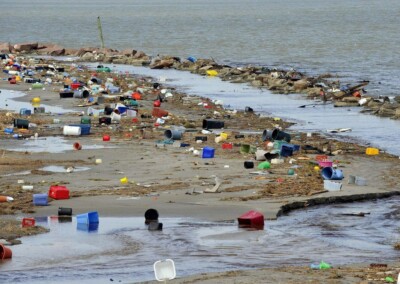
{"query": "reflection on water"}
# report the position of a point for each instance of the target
(124, 250)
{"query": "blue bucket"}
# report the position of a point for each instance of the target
(192, 59)
(331, 173)
(122, 109)
(40, 199)
(287, 150)
(91, 227)
(208, 152)
(88, 218)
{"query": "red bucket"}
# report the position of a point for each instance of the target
(5, 252)
(28, 222)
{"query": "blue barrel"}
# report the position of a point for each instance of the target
(330, 173)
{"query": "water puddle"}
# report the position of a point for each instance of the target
(7, 102)
(314, 117)
(62, 169)
(51, 144)
(23, 173)
(124, 250)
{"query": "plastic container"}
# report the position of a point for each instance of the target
(330, 173)
(79, 94)
(360, 181)
(88, 218)
(208, 152)
(124, 180)
(71, 130)
(227, 146)
(8, 130)
(91, 227)
(201, 138)
(164, 270)
(106, 138)
(86, 120)
(264, 165)
(248, 164)
(372, 151)
(58, 192)
(213, 124)
(325, 163)
(75, 86)
(62, 211)
(159, 112)
(332, 185)
(267, 135)
(280, 135)
(244, 148)
(192, 59)
(251, 219)
(287, 150)
(39, 110)
(28, 222)
(40, 199)
(5, 252)
(85, 128)
(173, 134)
(21, 123)
(66, 94)
(24, 111)
(105, 120)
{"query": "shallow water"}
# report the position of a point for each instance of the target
(8, 102)
(368, 129)
(51, 144)
(62, 169)
(124, 250)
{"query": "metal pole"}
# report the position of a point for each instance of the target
(100, 32)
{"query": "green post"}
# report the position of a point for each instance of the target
(100, 32)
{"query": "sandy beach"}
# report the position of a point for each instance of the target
(175, 181)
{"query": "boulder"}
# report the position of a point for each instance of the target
(87, 56)
(162, 64)
(139, 54)
(70, 51)
(5, 47)
(351, 99)
(26, 46)
(129, 52)
(85, 50)
(52, 49)
(301, 85)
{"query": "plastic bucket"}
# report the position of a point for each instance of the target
(71, 130)
(5, 252)
(244, 148)
(79, 94)
(267, 135)
(287, 150)
(280, 135)
(208, 152)
(106, 138)
(213, 124)
(24, 111)
(330, 173)
(62, 211)
(150, 215)
(173, 134)
(88, 218)
(248, 164)
(77, 146)
(21, 123)
(332, 185)
(38, 110)
(260, 155)
(86, 120)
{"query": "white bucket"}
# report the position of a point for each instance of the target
(131, 113)
(360, 181)
(332, 185)
(72, 130)
(260, 155)
(115, 117)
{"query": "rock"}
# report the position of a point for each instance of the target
(345, 104)
(5, 47)
(26, 46)
(85, 50)
(70, 51)
(387, 110)
(351, 99)
(313, 92)
(51, 49)
(139, 54)
(162, 64)
(257, 83)
(87, 56)
(301, 85)
(129, 52)
(120, 60)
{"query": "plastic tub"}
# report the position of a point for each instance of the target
(332, 185)
(71, 130)
(88, 218)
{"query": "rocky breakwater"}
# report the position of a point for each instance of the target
(325, 87)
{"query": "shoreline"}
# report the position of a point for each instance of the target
(208, 204)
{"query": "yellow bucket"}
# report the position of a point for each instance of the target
(224, 135)
(17, 78)
(212, 73)
(36, 100)
(124, 180)
(372, 151)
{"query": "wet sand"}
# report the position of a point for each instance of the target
(173, 180)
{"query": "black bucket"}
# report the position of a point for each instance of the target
(248, 164)
(105, 120)
(66, 94)
(108, 110)
(213, 124)
(280, 135)
(155, 226)
(21, 123)
(267, 135)
(202, 138)
(150, 215)
(63, 211)
(79, 94)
